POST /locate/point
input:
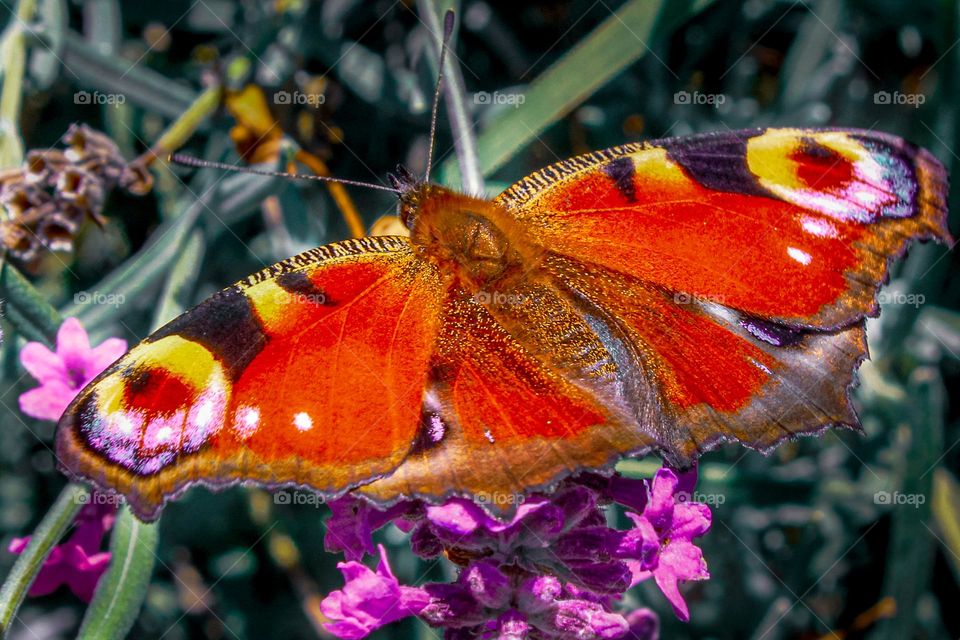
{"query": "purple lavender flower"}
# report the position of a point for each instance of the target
(671, 525)
(64, 372)
(369, 600)
(555, 569)
(78, 563)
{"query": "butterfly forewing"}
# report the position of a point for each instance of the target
(311, 373)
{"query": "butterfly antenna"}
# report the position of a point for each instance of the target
(190, 161)
(444, 44)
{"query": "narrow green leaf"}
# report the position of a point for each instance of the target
(54, 524)
(910, 554)
(112, 74)
(26, 307)
(618, 42)
(174, 298)
(121, 591)
(946, 513)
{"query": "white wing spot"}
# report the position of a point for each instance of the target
(800, 256)
(302, 421)
(819, 227)
(246, 422)
(204, 414)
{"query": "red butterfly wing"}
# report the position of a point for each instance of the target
(715, 374)
(310, 372)
(735, 269)
(790, 225)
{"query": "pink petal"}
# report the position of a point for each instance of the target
(72, 340)
(660, 502)
(47, 402)
(42, 363)
(685, 560)
(17, 545)
(667, 582)
(383, 568)
(690, 520)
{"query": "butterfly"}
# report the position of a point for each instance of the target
(665, 296)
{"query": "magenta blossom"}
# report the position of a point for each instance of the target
(78, 563)
(64, 372)
(553, 570)
(369, 600)
(668, 526)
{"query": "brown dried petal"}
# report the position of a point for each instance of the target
(20, 197)
(85, 141)
(81, 188)
(19, 241)
(56, 233)
(40, 166)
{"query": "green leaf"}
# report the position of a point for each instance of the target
(54, 524)
(121, 591)
(910, 553)
(26, 308)
(946, 513)
(618, 42)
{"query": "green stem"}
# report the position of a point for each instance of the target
(121, 591)
(183, 127)
(461, 122)
(54, 524)
(14, 50)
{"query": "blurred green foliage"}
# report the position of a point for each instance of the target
(806, 543)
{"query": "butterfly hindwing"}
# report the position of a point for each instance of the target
(522, 392)
(718, 375)
(309, 373)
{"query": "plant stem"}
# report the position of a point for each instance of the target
(461, 122)
(183, 127)
(54, 524)
(14, 52)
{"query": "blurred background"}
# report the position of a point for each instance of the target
(846, 536)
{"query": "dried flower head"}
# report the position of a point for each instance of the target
(47, 199)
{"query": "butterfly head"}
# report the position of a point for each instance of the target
(412, 190)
